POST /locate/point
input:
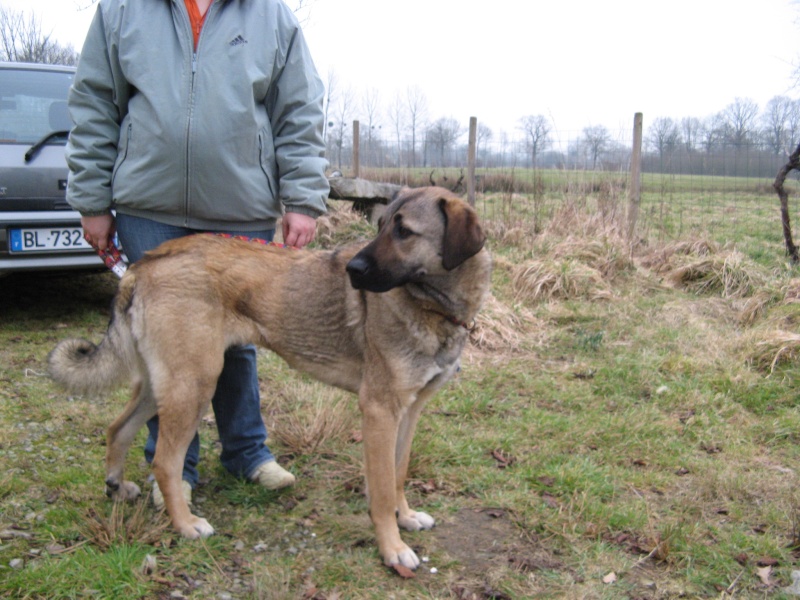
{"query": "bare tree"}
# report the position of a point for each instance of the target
(537, 135)
(370, 105)
(341, 127)
(775, 124)
(443, 135)
(330, 94)
(596, 138)
(739, 121)
(302, 9)
(691, 128)
(482, 137)
(712, 132)
(663, 136)
(22, 40)
(417, 105)
(793, 124)
(397, 115)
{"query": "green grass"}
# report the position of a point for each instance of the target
(634, 435)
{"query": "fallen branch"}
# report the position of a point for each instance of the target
(794, 163)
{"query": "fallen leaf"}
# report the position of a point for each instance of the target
(426, 487)
(503, 460)
(764, 574)
(610, 578)
(404, 572)
(55, 548)
(149, 565)
(550, 500)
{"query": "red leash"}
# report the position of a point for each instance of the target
(112, 257)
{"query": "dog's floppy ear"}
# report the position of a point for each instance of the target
(463, 236)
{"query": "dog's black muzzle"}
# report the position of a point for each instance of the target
(366, 275)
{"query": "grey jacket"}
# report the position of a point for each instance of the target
(220, 138)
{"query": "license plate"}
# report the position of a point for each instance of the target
(43, 239)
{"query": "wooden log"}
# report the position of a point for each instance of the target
(356, 189)
(368, 197)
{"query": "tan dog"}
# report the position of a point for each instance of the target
(392, 332)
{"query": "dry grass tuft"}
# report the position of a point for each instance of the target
(729, 274)
(791, 292)
(313, 423)
(662, 258)
(341, 225)
(608, 255)
(773, 349)
(505, 235)
(573, 219)
(126, 524)
(756, 306)
(499, 327)
(537, 281)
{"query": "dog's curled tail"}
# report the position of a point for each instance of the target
(85, 368)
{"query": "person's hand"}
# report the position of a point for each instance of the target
(98, 230)
(298, 229)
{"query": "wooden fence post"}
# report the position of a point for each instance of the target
(471, 152)
(356, 139)
(635, 195)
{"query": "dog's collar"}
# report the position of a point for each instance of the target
(468, 325)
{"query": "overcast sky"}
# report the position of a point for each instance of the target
(578, 62)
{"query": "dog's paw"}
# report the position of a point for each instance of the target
(403, 555)
(124, 492)
(415, 521)
(196, 528)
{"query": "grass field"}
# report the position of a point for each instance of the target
(625, 425)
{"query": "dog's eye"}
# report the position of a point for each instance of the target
(402, 231)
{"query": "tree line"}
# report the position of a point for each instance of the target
(740, 139)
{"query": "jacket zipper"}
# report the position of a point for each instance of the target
(188, 135)
(190, 108)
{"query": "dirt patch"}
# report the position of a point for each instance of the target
(489, 546)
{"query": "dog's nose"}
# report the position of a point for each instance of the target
(358, 266)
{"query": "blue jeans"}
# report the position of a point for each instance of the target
(236, 402)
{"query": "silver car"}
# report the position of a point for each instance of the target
(38, 229)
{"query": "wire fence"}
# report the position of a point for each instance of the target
(716, 189)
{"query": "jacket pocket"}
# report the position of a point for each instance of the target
(266, 159)
(122, 151)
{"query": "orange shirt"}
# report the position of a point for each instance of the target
(196, 19)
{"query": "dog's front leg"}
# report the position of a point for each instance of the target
(407, 518)
(379, 430)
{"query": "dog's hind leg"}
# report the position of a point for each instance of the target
(180, 411)
(120, 437)
(408, 519)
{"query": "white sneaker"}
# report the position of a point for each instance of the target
(272, 476)
(158, 497)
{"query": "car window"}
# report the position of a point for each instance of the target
(32, 104)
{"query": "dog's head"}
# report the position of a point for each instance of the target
(424, 232)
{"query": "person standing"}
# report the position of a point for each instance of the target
(200, 116)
